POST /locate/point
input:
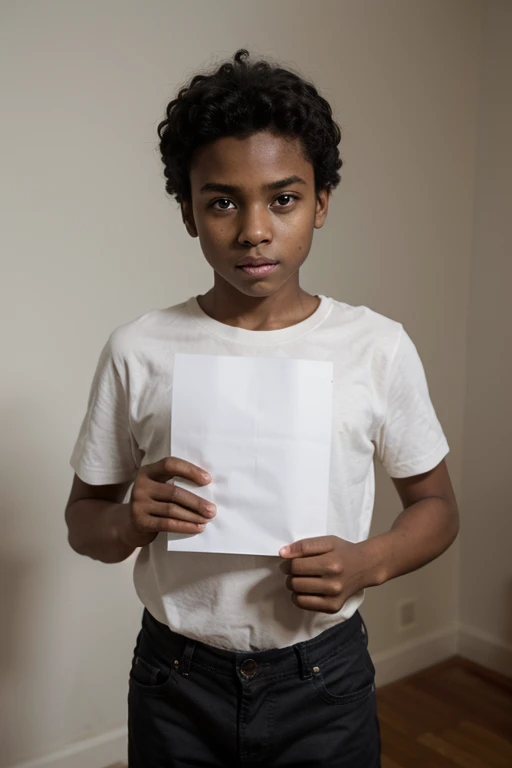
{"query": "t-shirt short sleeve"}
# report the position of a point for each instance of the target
(106, 451)
(410, 439)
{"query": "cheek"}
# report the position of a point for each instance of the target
(301, 236)
(302, 226)
(212, 237)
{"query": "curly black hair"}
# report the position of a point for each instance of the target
(239, 99)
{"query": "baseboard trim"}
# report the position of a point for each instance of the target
(95, 752)
(400, 661)
(456, 640)
(484, 649)
(414, 655)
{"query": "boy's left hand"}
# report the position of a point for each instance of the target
(324, 572)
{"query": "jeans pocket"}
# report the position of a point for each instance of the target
(149, 671)
(145, 673)
(348, 675)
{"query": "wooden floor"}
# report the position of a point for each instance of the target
(455, 714)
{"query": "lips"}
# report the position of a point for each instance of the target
(256, 271)
(256, 262)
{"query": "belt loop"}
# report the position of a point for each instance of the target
(302, 654)
(187, 656)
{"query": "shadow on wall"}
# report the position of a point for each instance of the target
(505, 660)
(16, 574)
(33, 675)
(20, 570)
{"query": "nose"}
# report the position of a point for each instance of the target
(255, 227)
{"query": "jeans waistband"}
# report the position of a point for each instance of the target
(183, 651)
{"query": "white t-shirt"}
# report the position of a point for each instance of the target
(381, 406)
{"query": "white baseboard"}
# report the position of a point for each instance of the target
(95, 752)
(414, 655)
(459, 639)
(400, 661)
(485, 649)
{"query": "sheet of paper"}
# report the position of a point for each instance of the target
(262, 428)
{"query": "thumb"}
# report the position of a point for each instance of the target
(318, 545)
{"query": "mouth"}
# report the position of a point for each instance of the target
(257, 271)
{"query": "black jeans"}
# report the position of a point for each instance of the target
(309, 705)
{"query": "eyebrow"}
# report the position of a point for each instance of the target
(230, 189)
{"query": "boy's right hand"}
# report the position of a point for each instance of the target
(157, 506)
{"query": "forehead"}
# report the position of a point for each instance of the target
(262, 156)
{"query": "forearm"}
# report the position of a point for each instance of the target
(419, 535)
(100, 529)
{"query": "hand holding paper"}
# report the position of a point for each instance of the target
(323, 572)
(156, 506)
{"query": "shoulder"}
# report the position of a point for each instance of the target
(367, 327)
(128, 338)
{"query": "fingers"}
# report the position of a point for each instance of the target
(156, 524)
(305, 586)
(163, 470)
(306, 566)
(178, 498)
(317, 603)
(315, 594)
(158, 507)
(178, 512)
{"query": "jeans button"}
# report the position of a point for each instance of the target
(249, 668)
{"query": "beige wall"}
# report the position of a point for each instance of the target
(486, 536)
(90, 241)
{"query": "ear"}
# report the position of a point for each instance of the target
(187, 215)
(322, 205)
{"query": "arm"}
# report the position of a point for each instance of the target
(102, 527)
(323, 572)
(98, 521)
(428, 525)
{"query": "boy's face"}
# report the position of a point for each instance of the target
(237, 218)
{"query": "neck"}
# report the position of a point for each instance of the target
(288, 306)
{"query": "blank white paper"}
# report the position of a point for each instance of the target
(262, 428)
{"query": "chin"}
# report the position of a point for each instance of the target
(257, 291)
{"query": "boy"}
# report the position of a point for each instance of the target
(239, 661)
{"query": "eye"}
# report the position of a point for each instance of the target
(220, 200)
(220, 203)
(289, 196)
